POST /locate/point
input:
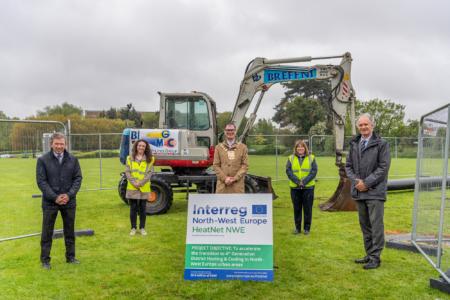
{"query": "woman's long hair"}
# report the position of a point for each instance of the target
(147, 152)
(303, 144)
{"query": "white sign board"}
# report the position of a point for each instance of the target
(229, 236)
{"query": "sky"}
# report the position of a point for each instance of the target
(107, 53)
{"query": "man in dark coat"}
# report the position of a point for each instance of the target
(58, 176)
(367, 167)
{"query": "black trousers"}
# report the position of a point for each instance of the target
(48, 224)
(371, 214)
(137, 206)
(302, 200)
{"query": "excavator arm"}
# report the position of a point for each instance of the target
(262, 73)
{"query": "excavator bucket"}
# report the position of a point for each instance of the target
(342, 199)
(259, 184)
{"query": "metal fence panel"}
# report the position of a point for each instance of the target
(20, 145)
(98, 154)
(431, 215)
(278, 146)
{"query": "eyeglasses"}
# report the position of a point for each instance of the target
(230, 130)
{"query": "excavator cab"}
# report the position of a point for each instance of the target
(194, 111)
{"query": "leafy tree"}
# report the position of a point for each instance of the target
(5, 128)
(129, 113)
(410, 129)
(318, 94)
(111, 113)
(388, 115)
(318, 129)
(124, 112)
(263, 127)
(150, 119)
(317, 89)
(222, 120)
(29, 136)
(301, 113)
(3, 115)
(260, 140)
(64, 109)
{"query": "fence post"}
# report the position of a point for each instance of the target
(311, 143)
(100, 155)
(395, 143)
(276, 157)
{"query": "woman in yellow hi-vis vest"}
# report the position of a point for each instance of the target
(301, 168)
(138, 171)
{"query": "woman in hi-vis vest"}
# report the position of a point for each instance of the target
(138, 171)
(301, 168)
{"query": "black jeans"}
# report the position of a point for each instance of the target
(48, 224)
(302, 199)
(137, 206)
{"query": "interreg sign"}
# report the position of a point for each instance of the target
(162, 141)
(229, 236)
(274, 75)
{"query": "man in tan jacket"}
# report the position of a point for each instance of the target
(230, 163)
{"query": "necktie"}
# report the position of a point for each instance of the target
(59, 158)
(362, 145)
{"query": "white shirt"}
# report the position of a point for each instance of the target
(59, 156)
(231, 143)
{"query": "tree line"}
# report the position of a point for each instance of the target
(304, 110)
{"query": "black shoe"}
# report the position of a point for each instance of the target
(46, 265)
(373, 264)
(363, 260)
(73, 261)
(296, 231)
(306, 232)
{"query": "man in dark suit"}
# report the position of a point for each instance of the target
(58, 176)
(367, 166)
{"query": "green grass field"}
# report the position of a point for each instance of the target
(115, 265)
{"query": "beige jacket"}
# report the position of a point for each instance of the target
(230, 161)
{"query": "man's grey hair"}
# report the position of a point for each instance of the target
(230, 124)
(368, 116)
(57, 136)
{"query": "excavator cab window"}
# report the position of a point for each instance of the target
(187, 113)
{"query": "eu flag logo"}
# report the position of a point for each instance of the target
(259, 209)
